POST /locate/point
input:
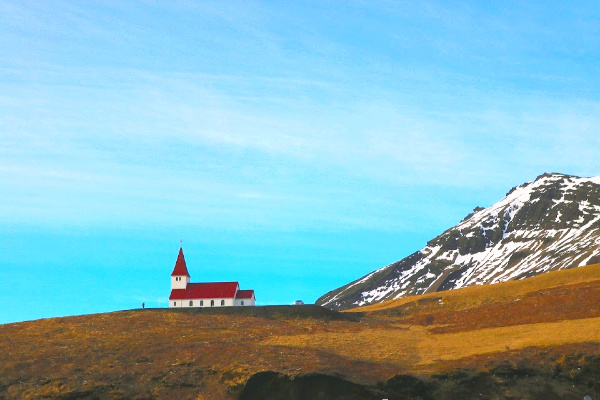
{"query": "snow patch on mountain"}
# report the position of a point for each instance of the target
(548, 224)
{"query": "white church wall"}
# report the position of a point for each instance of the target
(247, 302)
(175, 303)
(206, 302)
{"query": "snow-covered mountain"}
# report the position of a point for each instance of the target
(549, 224)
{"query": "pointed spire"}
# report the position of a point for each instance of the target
(180, 267)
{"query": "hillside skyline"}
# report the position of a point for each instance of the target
(292, 147)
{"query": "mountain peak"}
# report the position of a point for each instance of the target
(548, 224)
(554, 175)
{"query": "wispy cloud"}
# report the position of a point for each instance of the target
(250, 111)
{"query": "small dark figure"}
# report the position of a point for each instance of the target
(143, 305)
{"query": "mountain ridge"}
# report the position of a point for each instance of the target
(547, 224)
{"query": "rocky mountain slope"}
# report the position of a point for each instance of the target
(549, 224)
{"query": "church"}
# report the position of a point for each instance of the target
(207, 294)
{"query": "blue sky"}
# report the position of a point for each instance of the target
(292, 146)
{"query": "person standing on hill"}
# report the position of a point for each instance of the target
(143, 305)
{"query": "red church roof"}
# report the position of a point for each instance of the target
(212, 290)
(244, 294)
(180, 267)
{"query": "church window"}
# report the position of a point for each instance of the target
(212, 303)
(222, 302)
(191, 303)
(242, 302)
(201, 303)
(174, 303)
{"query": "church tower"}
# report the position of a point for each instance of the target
(180, 276)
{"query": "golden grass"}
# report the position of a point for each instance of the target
(418, 346)
(477, 295)
(453, 346)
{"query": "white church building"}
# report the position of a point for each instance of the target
(207, 294)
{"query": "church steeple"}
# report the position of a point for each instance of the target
(180, 267)
(180, 276)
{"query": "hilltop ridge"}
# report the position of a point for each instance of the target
(533, 338)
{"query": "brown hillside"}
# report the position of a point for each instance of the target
(555, 296)
(476, 295)
(547, 326)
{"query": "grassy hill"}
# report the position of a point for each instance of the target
(520, 339)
